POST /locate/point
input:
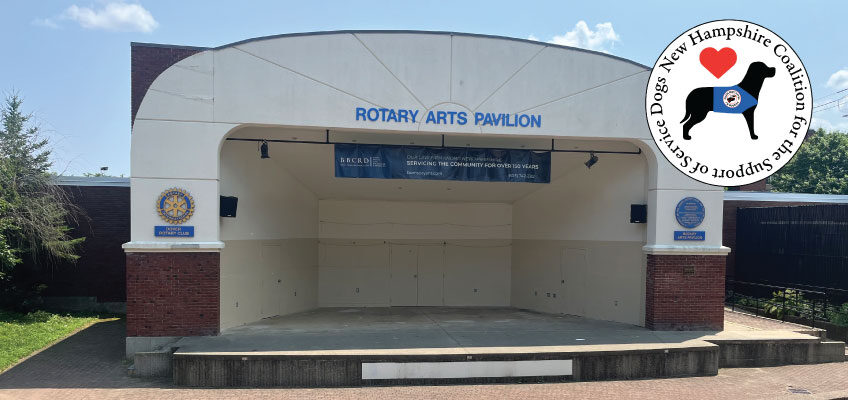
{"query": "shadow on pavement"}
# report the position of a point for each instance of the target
(91, 358)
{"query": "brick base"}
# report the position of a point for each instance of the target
(685, 292)
(173, 294)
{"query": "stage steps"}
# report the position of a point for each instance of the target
(776, 352)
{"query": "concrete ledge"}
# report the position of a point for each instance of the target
(334, 368)
(666, 363)
(663, 249)
(170, 247)
(319, 369)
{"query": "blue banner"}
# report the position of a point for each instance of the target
(442, 163)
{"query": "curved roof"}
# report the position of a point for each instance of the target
(402, 68)
(479, 35)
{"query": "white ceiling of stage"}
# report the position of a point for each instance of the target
(312, 165)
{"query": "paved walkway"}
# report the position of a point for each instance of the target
(89, 365)
(739, 320)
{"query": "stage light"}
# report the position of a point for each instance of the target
(592, 160)
(263, 150)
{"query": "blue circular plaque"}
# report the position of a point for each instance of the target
(689, 212)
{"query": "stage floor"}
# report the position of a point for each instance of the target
(438, 330)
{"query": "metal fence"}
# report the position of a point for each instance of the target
(781, 302)
(805, 247)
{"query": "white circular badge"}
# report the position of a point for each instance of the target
(728, 102)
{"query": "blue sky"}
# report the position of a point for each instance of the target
(70, 60)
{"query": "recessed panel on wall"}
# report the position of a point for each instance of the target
(431, 277)
(572, 296)
(404, 275)
(271, 280)
(353, 274)
(477, 274)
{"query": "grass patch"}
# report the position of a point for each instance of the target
(24, 334)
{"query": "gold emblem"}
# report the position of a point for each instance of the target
(175, 206)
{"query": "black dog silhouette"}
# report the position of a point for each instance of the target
(699, 102)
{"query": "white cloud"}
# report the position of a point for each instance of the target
(839, 79)
(603, 38)
(112, 16)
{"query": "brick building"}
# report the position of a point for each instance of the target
(97, 280)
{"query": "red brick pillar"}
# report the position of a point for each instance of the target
(685, 292)
(173, 294)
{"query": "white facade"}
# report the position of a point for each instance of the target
(305, 239)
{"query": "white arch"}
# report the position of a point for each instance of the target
(317, 80)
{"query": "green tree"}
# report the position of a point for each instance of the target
(33, 210)
(820, 166)
(8, 257)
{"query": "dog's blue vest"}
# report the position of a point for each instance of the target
(732, 100)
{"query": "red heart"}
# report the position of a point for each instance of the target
(718, 61)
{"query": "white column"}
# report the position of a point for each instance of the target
(167, 154)
(666, 187)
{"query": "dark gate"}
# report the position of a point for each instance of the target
(801, 246)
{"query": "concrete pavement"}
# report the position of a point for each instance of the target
(89, 365)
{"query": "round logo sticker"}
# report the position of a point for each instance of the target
(731, 98)
(728, 102)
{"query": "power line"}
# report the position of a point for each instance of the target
(832, 94)
(826, 108)
(838, 104)
(829, 102)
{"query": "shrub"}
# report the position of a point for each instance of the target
(840, 317)
(789, 302)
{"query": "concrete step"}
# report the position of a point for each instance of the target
(776, 352)
(150, 364)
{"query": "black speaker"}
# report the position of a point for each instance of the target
(228, 206)
(638, 213)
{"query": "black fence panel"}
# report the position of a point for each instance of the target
(801, 246)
